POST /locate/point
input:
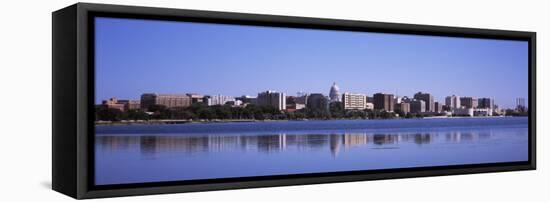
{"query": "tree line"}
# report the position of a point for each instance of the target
(204, 112)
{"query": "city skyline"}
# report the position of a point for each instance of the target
(213, 59)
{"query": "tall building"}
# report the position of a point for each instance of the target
(354, 101)
(384, 102)
(468, 102)
(167, 100)
(317, 101)
(334, 93)
(272, 98)
(453, 102)
(428, 99)
(418, 106)
(219, 100)
(520, 104)
(485, 103)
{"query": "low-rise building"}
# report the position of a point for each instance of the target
(247, 99)
(294, 107)
(167, 100)
(369, 105)
(130, 104)
(196, 98)
(463, 112)
(112, 103)
(483, 112)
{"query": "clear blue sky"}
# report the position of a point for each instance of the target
(139, 56)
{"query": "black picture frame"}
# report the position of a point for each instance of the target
(73, 98)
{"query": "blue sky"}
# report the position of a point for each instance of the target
(139, 56)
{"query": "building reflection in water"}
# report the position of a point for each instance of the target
(151, 145)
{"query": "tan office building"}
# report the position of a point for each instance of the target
(167, 100)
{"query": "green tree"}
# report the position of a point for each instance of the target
(108, 114)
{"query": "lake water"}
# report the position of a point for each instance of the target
(156, 153)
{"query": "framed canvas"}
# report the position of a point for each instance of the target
(156, 100)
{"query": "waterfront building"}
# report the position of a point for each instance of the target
(383, 102)
(112, 103)
(334, 93)
(290, 100)
(453, 102)
(354, 101)
(272, 98)
(405, 107)
(369, 105)
(497, 111)
(219, 100)
(483, 112)
(428, 99)
(196, 98)
(293, 103)
(235, 103)
(486, 103)
(463, 111)
(520, 104)
(130, 104)
(438, 107)
(301, 99)
(168, 100)
(247, 99)
(418, 106)
(317, 101)
(468, 102)
(294, 107)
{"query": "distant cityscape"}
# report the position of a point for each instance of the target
(278, 105)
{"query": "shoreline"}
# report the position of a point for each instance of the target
(185, 121)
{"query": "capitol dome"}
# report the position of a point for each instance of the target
(334, 93)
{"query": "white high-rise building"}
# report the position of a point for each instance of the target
(219, 100)
(272, 98)
(453, 101)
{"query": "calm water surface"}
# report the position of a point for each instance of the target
(155, 153)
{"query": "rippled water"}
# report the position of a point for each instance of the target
(155, 153)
